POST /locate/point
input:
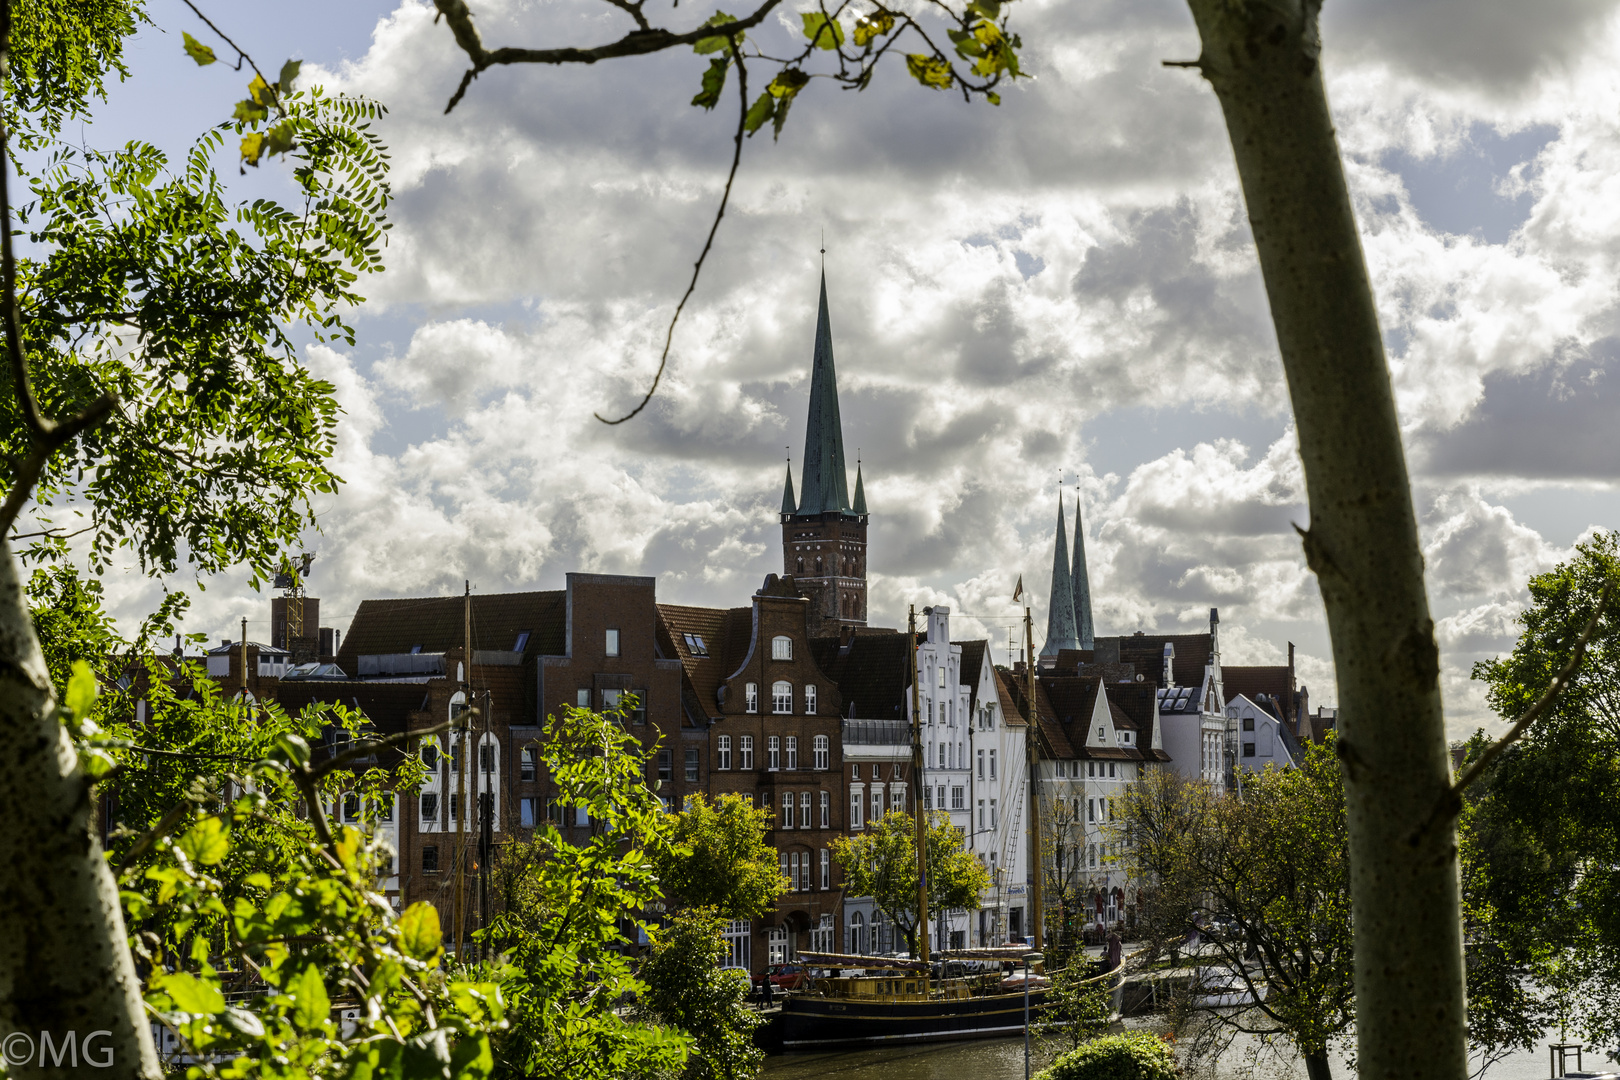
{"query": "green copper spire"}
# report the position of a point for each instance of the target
(1084, 630)
(1060, 611)
(826, 484)
(860, 492)
(788, 505)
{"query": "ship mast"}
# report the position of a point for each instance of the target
(917, 793)
(1031, 747)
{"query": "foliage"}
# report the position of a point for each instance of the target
(1540, 833)
(1134, 1055)
(717, 858)
(881, 863)
(688, 990)
(563, 966)
(1275, 862)
(61, 54)
(1079, 1004)
(260, 1002)
(1069, 882)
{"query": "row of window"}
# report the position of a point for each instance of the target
(1094, 807)
(781, 753)
(781, 698)
(799, 868)
(1094, 769)
(806, 817)
(958, 798)
(857, 802)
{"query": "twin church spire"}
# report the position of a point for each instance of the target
(1068, 614)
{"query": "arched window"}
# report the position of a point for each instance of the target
(857, 933)
(798, 564)
(782, 697)
(781, 647)
(818, 565)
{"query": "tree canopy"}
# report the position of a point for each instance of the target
(881, 862)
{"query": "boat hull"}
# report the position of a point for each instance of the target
(815, 1023)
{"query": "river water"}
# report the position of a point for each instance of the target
(1003, 1059)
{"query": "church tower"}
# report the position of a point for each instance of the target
(824, 530)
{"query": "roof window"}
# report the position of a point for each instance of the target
(522, 641)
(695, 645)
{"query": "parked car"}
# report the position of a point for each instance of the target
(783, 976)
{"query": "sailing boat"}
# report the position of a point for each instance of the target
(904, 1000)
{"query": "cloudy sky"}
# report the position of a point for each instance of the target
(1061, 288)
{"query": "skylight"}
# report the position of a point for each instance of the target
(522, 641)
(695, 645)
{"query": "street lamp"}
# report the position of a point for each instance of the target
(1029, 958)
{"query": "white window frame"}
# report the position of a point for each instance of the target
(781, 647)
(738, 936)
(809, 699)
(792, 764)
(822, 748)
(745, 752)
(804, 811)
(782, 698)
(773, 753)
(826, 809)
(751, 697)
(786, 821)
(722, 751)
(611, 644)
(857, 804)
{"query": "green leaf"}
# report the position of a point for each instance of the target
(931, 71)
(190, 994)
(279, 139)
(992, 97)
(96, 763)
(243, 1023)
(419, 932)
(788, 83)
(248, 111)
(291, 747)
(718, 42)
(198, 51)
(714, 81)
(311, 1007)
(289, 73)
(872, 27)
(759, 112)
(823, 30)
(81, 690)
(206, 843)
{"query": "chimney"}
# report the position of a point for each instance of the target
(1169, 665)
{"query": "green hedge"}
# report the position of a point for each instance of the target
(1135, 1055)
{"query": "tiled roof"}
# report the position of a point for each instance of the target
(1135, 700)
(724, 633)
(1011, 711)
(1146, 651)
(1252, 682)
(437, 624)
(1053, 738)
(872, 673)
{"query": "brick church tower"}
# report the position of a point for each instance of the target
(824, 531)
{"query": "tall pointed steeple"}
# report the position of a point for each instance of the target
(860, 493)
(789, 505)
(1060, 611)
(1083, 628)
(826, 483)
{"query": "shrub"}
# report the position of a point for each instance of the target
(1135, 1055)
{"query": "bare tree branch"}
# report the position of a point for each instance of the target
(697, 267)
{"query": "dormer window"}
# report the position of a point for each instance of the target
(695, 644)
(781, 647)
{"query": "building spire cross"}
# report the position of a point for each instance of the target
(1060, 629)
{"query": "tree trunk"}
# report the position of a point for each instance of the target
(65, 969)
(1317, 1067)
(1261, 57)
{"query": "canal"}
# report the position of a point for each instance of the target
(1003, 1059)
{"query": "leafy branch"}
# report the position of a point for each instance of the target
(982, 53)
